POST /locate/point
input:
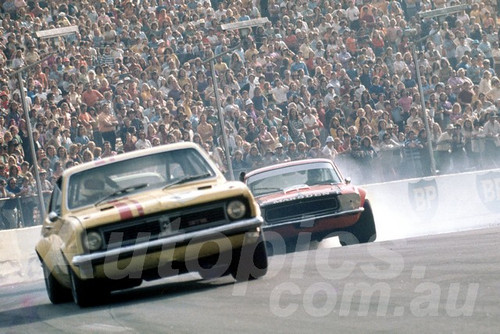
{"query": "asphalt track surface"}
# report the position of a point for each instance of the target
(447, 283)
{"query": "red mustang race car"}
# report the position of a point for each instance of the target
(310, 200)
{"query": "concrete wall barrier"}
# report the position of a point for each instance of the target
(18, 260)
(402, 209)
(434, 205)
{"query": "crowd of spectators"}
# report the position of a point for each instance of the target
(323, 78)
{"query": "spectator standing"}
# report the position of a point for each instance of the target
(239, 165)
(142, 143)
(280, 154)
(91, 96)
(10, 209)
(492, 137)
(458, 155)
(412, 150)
(328, 150)
(388, 164)
(254, 158)
(443, 150)
(107, 124)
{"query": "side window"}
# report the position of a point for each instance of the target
(55, 200)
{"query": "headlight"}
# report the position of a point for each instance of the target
(92, 241)
(349, 201)
(236, 210)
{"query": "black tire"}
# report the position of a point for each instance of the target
(363, 231)
(87, 292)
(250, 262)
(291, 244)
(260, 260)
(270, 249)
(57, 293)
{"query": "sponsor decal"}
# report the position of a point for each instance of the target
(300, 196)
(424, 197)
(488, 188)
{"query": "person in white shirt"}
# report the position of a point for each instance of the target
(352, 14)
(494, 93)
(443, 149)
(142, 142)
(310, 124)
(221, 11)
(400, 65)
(462, 47)
(328, 151)
(279, 92)
(330, 95)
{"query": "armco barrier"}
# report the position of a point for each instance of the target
(402, 209)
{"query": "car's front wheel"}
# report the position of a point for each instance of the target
(87, 292)
(56, 291)
(250, 262)
(363, 231)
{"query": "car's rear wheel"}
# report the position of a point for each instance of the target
(250, 262)
(87, 292)
(363, 231)
(56, 291)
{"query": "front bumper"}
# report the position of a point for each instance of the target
(86, 262)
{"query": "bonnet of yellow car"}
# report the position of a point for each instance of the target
(158, 200)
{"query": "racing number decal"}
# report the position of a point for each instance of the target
(424, 197)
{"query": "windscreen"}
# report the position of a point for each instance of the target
(133, 175)
(283, 179)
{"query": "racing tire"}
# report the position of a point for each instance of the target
(57, 293)
(250, 262)
(291, 244)
(87, 292)
(363, 231)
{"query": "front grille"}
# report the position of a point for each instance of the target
(196, 218)
(166, 223)
(125, 233)
(300, 209)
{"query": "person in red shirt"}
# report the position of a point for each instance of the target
(4, 99)
(91, 96)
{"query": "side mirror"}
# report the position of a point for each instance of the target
(347, 180)
(53, 216)
(242, 176)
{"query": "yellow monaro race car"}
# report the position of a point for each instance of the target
(144, 215)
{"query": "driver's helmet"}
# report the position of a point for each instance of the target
(313, 175)
(92, 187)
